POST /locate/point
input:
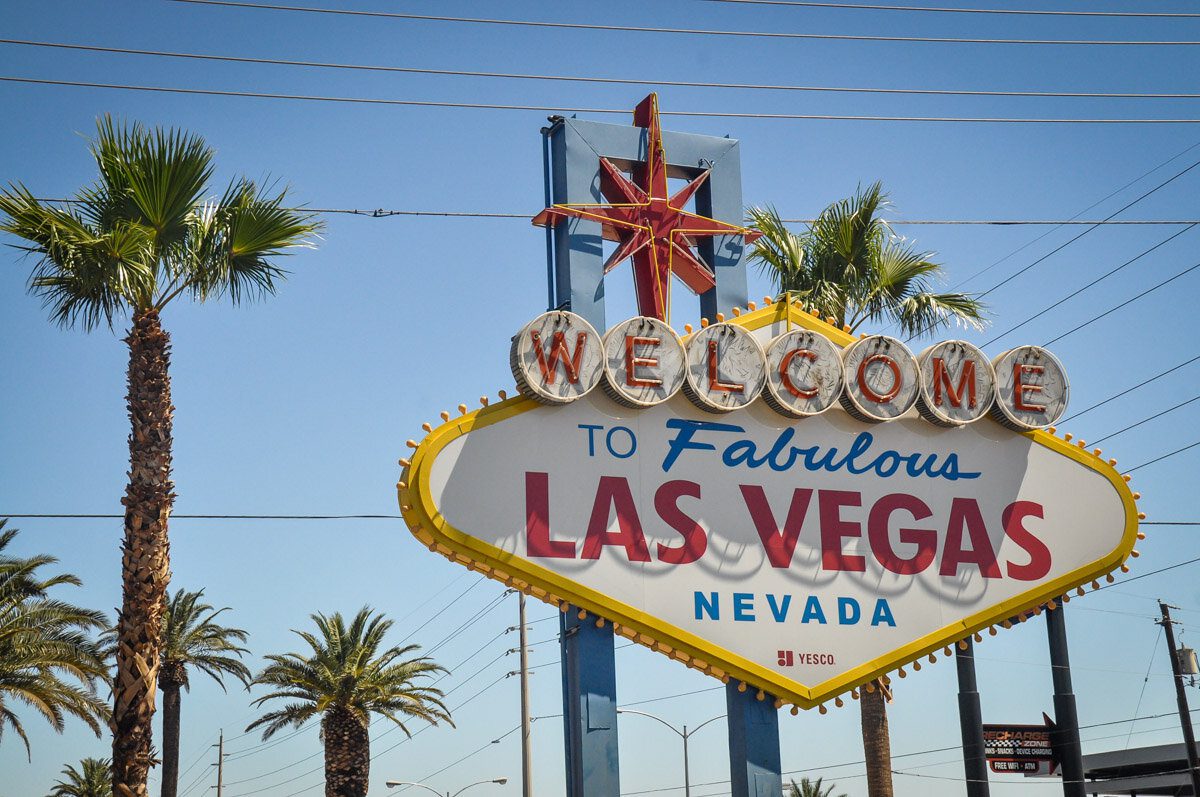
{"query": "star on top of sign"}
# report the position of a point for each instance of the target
(648, 224)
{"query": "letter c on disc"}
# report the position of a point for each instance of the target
(804, 373)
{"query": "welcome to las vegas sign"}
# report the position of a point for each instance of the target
(770, 499)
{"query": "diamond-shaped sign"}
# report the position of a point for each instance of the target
(802, 556)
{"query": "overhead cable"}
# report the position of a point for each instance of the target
(944, 10)
(1160, 459)
(599, 80)
(561, 110)
(754, 34)
(1126, 391)
(1146, 420)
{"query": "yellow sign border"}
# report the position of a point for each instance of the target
(432, 529)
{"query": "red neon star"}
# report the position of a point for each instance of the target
(649, 225)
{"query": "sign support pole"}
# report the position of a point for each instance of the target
(1066, 718)
(754, 761)
(589, 705)
(970, 718)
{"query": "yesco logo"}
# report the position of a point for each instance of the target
(559, 357)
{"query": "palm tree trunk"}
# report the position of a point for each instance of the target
(876, 741)
(347, 754)
(171, 685)
(145, 554)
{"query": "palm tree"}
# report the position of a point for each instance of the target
(48, 659)
(134, 241)
(812, 788)
(851, 266)
(92, 779)
(191, 638)
(345, 678)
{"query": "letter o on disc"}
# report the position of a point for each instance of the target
(957, 383)
(1031, 388)
(725, 368)
(556, 358)
(881, 379)
(804, 373)
(644, 362)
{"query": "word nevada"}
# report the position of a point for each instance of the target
(559, 357)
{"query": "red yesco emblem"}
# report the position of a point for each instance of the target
(649, 225)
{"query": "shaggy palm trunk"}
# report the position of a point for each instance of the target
(145, 555)
(347, 754)
(876, 741)
(171, 680)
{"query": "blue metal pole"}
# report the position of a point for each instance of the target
(754, 764)
(550, 289)
(589, 670)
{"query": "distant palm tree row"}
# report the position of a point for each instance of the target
(55, 657)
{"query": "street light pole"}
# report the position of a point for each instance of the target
(684, 734)
(391, 784)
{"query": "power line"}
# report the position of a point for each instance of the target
(754, 34)
(1126, 303)
(558, 110)
(1146, 420)
(1160, 459)
(1116, 396)
(943, 10)
(600, 80)
(1058, 303)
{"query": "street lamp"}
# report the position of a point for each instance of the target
(391, 784)
(684, 734)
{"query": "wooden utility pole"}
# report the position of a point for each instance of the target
(526, 722)
(1185, 716)
(220, 765)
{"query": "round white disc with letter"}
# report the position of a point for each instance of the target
(644, 362)
(1031, 388)
(957, 383)
(804, 373)
(881, 378)
(557, 357)
(725, 368)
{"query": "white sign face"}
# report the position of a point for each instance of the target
(804, 557)
(804, 373)
(1031, 388)
(726, 369)
(643, 362)
(957, 383)
(557, 358)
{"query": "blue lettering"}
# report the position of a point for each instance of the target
(608, 442)
(779, 610)
(686, 430)
(707, 606)
(848, 611)
(591, 430)
(743, 606)
(883, 614)
(813, 611)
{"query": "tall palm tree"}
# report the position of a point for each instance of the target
(851, 266)
(345, 677)
(812, 788)
(192, 639)
(48, 658)
(92, 779)
(138, 238)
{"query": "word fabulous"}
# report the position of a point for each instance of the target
(559, 357)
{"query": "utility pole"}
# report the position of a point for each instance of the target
(526, 722)
(1185, 717)
(220, 765)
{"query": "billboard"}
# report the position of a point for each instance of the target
(876, 506)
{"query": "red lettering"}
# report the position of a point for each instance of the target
(537, 521)
(1039, 555)
(779, 546)
(834, 528)
(788, 385)
(613, 493)
(965, 515)
(1020, 387)
(892, 366)
(633, 361)
(714, 379)
(695, 541)
(558, 352)
(881, 541)
(966, 381)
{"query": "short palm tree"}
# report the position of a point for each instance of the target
(138, 238)
(851, 266)
(812, 788)
(92, 779)
(49, 661)
(345, 677)
(192, 639)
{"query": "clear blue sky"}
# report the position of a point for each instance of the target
(302, 404)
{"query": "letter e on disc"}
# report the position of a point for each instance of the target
(644, 362)
(557, 357)
(1031, 388)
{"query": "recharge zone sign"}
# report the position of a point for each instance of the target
(770, 499)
